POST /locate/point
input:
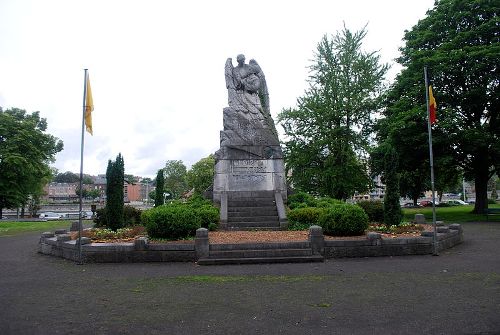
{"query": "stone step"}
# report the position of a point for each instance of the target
(251, 211)
(261, 246)
(269, 218)
(251, 202)
(254, 224)
(259, 260)
(250, 194)
(249, 253)
(253, 228)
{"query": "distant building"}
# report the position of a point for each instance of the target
(61, 192)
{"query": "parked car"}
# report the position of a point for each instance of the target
(87, 215)
(456, 202)
(411, 205)
(427, 203)
(51, 216)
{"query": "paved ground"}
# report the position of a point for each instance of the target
(455, 293)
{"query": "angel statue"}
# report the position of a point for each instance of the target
(247, 91)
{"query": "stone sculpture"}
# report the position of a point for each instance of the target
(247, 120)
(249, 163)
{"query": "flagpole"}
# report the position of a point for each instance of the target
(431, 159)
(80, 224)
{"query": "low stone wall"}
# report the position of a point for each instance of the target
(375, 245)
(60, 244)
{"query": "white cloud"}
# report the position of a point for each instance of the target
(156, 67)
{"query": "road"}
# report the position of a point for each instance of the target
(457, 292)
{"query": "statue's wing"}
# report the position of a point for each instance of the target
(263, 92)
(228, 71)
(264, 96)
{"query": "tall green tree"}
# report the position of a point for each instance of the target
(459, 42)
(327, 134)
(201, 174)
(26, 151)
(160, 186)
(114, 192)
(67, 177)
(392, 207)
(175, 178)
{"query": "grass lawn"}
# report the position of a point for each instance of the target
(454, 214)
(8, 228)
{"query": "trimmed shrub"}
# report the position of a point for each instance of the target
(171, 222)
(178, 219)
(100, 218)
(374, 210)
(303, 218)
(344, 220)
(209, 216)
(327, 202)
(299, 198)
(131, 217)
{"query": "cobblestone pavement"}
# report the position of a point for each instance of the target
(457, 292)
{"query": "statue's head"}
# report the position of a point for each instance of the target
(240, 59)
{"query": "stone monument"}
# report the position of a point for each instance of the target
(249, 181)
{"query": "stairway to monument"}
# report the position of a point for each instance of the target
(252, 211)
(253, 253)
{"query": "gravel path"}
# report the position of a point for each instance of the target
(455, 293)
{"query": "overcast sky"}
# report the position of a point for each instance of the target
(157, 67)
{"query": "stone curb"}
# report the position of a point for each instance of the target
(142, 250)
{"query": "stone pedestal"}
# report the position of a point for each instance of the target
(249, 174)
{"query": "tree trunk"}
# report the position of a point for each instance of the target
(481, 184)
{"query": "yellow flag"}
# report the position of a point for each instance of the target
(432, 106)
(89, 107)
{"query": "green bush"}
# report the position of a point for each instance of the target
(131, 217)
(171, 222)
(374, 210)
(209, 216)
(492, 202)
(100, 218)
(298, 199)
(344, 220)
(327, 202)
(303, 218)
(178, 219)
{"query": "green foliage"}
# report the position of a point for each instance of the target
(325, 202)
(26, 151)
(201, 174)
(175, 178)
(374, 210)
(114, 193)
(328, 132)
(344, 220)
(160, 187)
(131, 217)
(178, 220)
(171, 222)
(100, 217)
(458, 41)
(392, 207)
(301, 199)
(66, 177)
(303, 218)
